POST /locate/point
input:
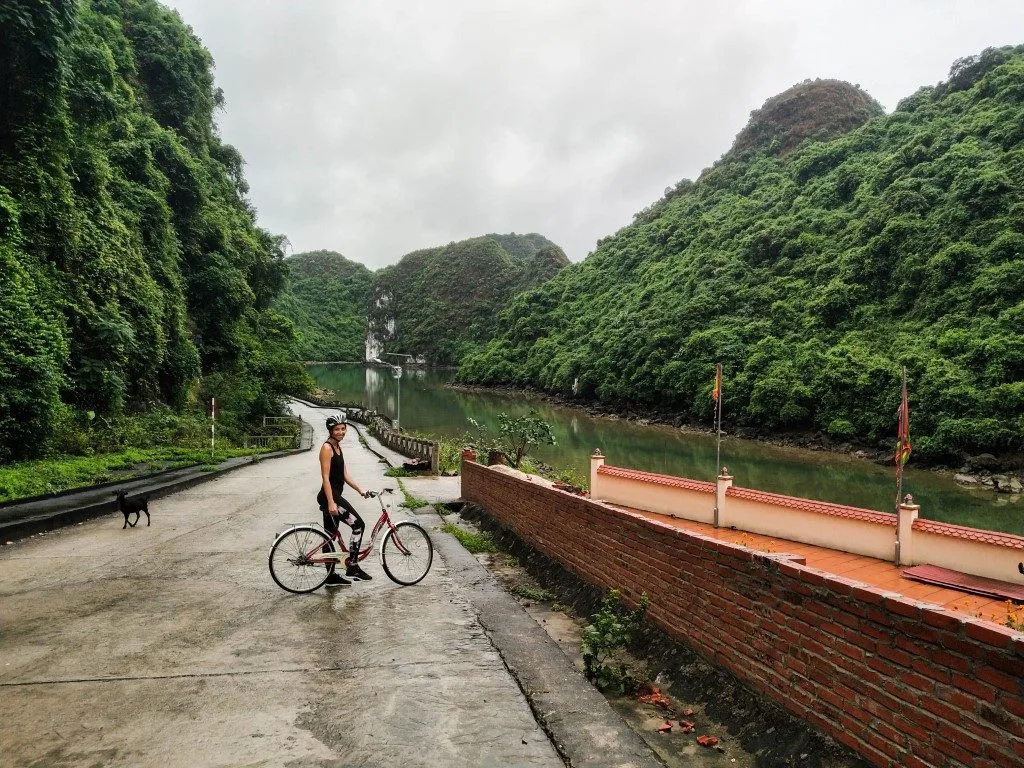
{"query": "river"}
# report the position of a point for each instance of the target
(428, 406)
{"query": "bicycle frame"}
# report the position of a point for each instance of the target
(316, 556)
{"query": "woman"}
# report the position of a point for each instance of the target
(333, 477)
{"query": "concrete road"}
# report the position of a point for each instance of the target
(171, 646)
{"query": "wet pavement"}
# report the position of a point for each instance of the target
(170, 645)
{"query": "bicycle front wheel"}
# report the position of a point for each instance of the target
(406, 553)
(289, 560)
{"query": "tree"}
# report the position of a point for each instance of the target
(516, 435)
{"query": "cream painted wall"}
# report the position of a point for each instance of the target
(861, 537)
(871, 538)
(666, 500)
(992, 561)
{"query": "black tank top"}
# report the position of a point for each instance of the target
(337, 471)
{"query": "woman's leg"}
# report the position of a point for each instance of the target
(331, 525)
(351, 518)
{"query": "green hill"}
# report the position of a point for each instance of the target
(832, 245)
(440, 303)
(132, 273)
(325, 298)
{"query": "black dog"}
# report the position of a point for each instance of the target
(128, 506)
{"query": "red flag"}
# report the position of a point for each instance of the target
(717, 392)
(903, 442)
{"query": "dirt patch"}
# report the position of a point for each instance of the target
(751, 731)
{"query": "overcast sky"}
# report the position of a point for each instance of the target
(374, 128)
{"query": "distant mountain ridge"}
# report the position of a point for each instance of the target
(434, 304)
(325, 298)
(829, 247)
(440, 303)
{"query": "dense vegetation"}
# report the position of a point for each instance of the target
(441, 303)
(133, 273)
(813, 266)
(325, 297)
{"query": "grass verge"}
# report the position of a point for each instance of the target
(45, 476)
(475, 543)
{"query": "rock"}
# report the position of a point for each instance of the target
(987, 481)
(966, 479)
(861, 454)
(983, 461)
(1007, 484)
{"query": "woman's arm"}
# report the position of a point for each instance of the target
(325, 477)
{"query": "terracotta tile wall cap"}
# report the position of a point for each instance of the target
(651, 477)
(973, 534)
(810, 505)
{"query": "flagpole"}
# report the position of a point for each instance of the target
(718, 430)
(904, 429)
(718, 424)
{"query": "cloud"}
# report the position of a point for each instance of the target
(378, 128)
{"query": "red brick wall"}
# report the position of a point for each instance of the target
(901, 684)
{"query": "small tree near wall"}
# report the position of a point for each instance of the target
(516, 435)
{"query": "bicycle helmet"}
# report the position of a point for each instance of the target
(333, 421)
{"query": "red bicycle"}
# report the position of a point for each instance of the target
(304, 555)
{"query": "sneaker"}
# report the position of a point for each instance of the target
(335, 580)
(356, 573)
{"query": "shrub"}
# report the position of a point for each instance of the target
(609, 632)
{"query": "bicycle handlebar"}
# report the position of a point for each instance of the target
(374, 494)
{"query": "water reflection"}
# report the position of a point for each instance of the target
(428, 406)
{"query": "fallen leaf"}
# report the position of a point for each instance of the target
(707, 741)
(686, 724)
(665, 728)
(687, 712)
(657, 698)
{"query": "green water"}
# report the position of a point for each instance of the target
(427, 405)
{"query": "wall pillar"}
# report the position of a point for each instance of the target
(468, 454)
(905, 517)
(596, 460)
(724, 483)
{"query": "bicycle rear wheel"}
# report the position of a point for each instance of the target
(289, 566)
(406, 553)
